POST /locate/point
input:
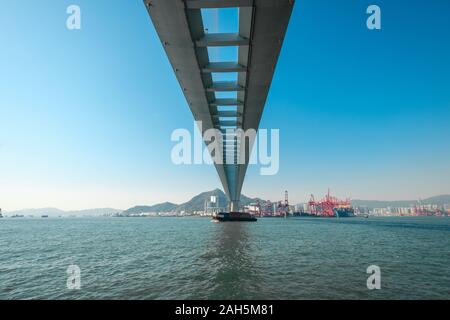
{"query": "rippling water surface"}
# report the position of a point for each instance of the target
(192, 258)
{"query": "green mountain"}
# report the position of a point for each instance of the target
(439, 200)
(161, 207)
(197, 203)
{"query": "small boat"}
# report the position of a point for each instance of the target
(233, 216)
(44, 216)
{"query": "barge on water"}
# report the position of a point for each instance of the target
(233, 217)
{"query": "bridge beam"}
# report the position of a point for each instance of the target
(206, 4)
(227, 114)
(226, 102)
(230, 123)
(222, 40)
(225, 86)
(224, 67)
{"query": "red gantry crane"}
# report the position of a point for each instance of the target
(325, 207)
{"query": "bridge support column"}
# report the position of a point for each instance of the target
(234, 206)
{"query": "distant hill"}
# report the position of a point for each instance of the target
(197, 203)
(382, 204)
(161, 207)
(438, 200)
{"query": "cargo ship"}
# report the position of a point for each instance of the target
(337, 213)
(344, 212)
(233, 217)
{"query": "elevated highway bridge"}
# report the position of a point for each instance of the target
(261, 31)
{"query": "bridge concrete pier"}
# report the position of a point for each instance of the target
(233, 206)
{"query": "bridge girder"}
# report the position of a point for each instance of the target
(262, 28)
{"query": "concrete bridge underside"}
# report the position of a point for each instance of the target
(262, 27)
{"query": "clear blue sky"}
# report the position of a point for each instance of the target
(86, 116)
